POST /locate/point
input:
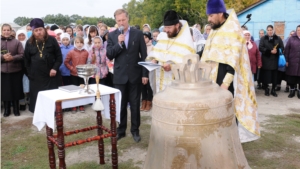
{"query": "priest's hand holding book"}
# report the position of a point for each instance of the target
(167, 67)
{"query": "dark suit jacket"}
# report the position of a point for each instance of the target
(126, 66)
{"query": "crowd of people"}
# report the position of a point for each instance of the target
(42, 58)
(264, 54)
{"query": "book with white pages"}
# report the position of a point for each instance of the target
(70, 88)
(149, 65)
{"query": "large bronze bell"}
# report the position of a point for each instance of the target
(193, 123)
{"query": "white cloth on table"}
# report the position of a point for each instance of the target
(45, 105)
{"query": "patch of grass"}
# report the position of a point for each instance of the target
(6, 164)
(282, 144)
(139, 162)
(93, 165)
(83, 123)
(26, 167)
(24, 149)
(19, 149)
(128, 141)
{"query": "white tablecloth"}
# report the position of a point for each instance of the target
(44, 112)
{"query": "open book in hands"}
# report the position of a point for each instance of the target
(149, 65)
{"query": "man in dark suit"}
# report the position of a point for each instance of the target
(127, 47)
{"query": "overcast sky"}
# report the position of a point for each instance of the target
(11, 9)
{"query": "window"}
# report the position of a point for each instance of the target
(279, 29)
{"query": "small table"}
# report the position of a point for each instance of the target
(56, 100)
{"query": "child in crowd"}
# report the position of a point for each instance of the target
(102, 30)
(58, 32)
(85, 31)
(146, 28)
(69, 30)
(21, 35)
(147, 93)
(65, 48)
(79, 31)
(97, 56)
(154, 36)
(77, 56)
(105, 38)
(13, 33)
(88, 42)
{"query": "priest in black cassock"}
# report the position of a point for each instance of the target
(42, 60)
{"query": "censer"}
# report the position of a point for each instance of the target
(193, 123)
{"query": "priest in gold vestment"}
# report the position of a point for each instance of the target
(173, 45)
(226, 51)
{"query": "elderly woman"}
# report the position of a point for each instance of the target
(22, 37)
(207, 29)
(292, 55)
(254, 54)
(11, 71)
(269, 47)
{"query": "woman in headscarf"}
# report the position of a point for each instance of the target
(207, 29)
(22, 37)
(85, 31)
(292, 54)
(254, 54)
(199, 41)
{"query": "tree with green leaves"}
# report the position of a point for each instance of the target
(22, 21)
(193, 11)
(65, 20)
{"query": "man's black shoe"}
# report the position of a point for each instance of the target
(119, 136)
(287, 89)
(259, 86)
(136, 137)
(273, 93)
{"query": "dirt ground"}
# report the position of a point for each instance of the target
(267, 106)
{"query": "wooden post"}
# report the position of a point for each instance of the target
(100, 142)
(114, 150)
(60, 135)
(51, 154)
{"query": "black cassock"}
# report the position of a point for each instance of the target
(222, 71)
(38, 68)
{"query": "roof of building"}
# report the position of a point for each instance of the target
(252, 6)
